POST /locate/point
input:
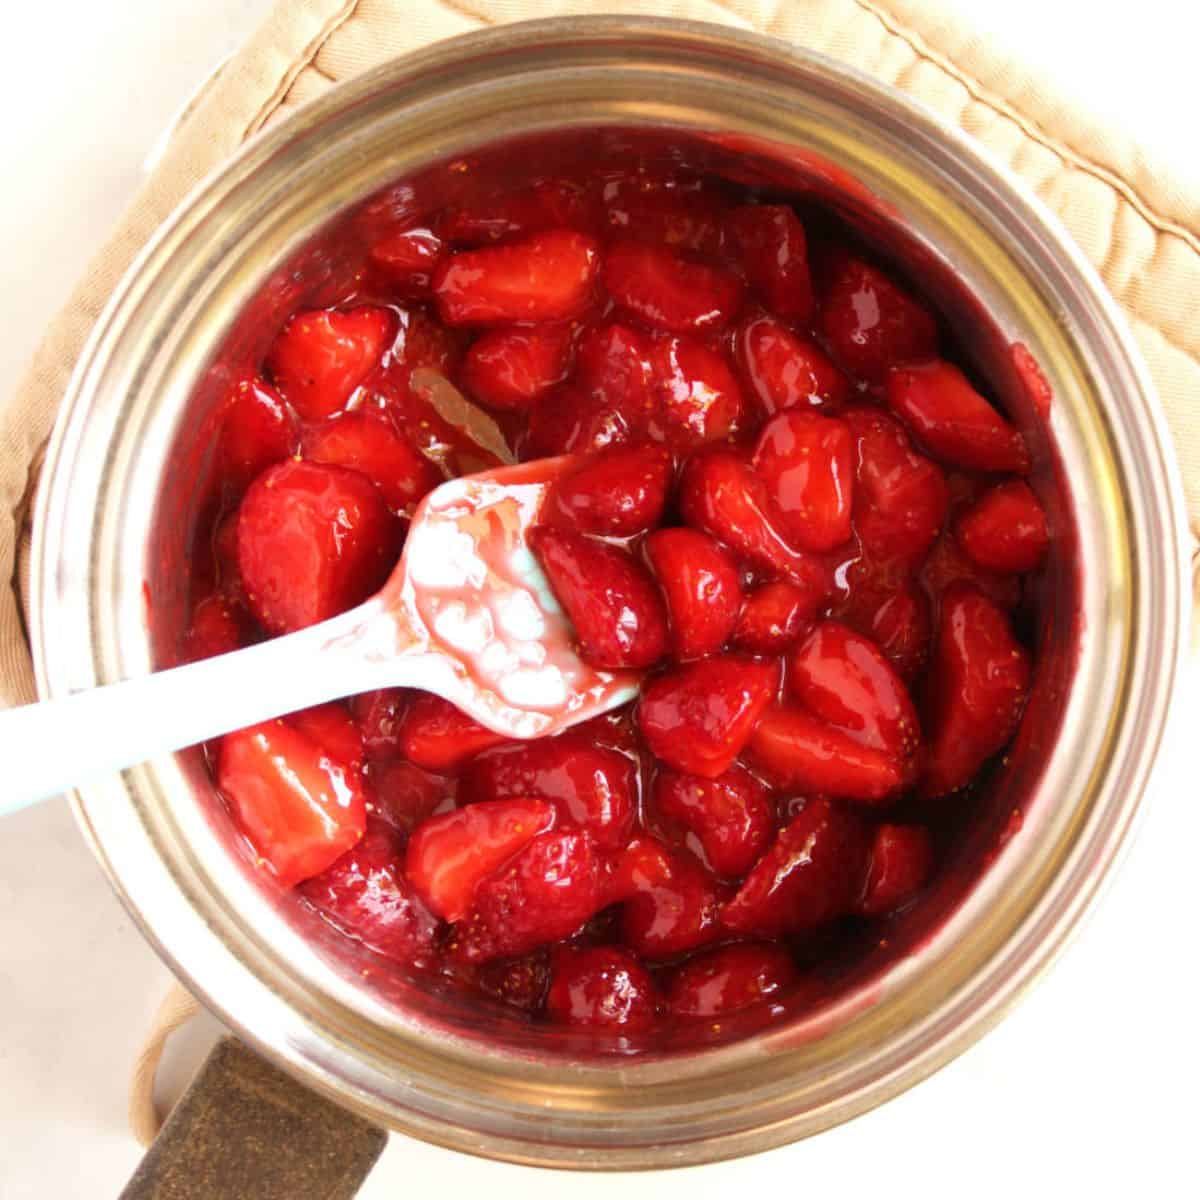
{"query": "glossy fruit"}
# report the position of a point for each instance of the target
(698, 717)
(608, 595)
(256, 430)
(616, 492)
(699, 582)
(614, 369)
(669, 292)
(407, 260)
(900, 863)
(331, 727)
(519, 983)
(786, 371)
(510, 369)
(402, 794)
(570, 421)
(215, 628)
(901, 626)
(543, 204)
(699, 398)
(378, 715)
(771, 244)
(601, 987)
(437, 736)
(729, 979)
(684, 214)
(1005, 529)
(774, 617)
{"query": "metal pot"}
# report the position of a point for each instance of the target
(111, 537)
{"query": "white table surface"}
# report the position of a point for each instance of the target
(1088, 1089)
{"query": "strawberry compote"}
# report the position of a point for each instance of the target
(811, 529)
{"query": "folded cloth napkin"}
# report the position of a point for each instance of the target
(1140, 229)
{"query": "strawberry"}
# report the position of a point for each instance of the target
(407, 260)
(901, 627)
(775, 616)
(364, 894)
(590, 785)
(312, 542)
(794, 749)
(544, 204)
(771, 243)
(844, 678)
(948, 565)
(669, 292)
(1005, 529)
(811, 874)
(617, 492)
(378, 716)
(403, 795)
(613, 365)
(437, 736)
(300, 808)
(511, 369)
(609, 597)
(555, 884)
(979, 683)
(730, 816)
(546, 277)
(323, 355)
(787, 371)
(519, 983)
(369, 444)
(257, 429)
(729, 979)
(682, 214)
(900, 863)
(722, 496)
(449, 855)
(571, 421)
(807, 463)
(870, 324)
(953, 420)
(331, 727)
(699, 399)
(699, 581)
(698, 717)
(601, 987)
(216, 628)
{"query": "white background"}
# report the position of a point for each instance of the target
(1087, 1090)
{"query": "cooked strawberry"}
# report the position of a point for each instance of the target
(948, 565)
(953, 420)
(216, 628)
(870, 324)
(731, 815)
(601, 987)
(684, 214)
(331, 727)
(511, 369)
(421, 341)
(900, 863)
(368, 443)
(698, 717)
(844, 678)
(775, 616)
(611, 600)
(407, 260)
(811, 874)
(257, 429)
(901, 627)
(787, 371)
(722, 496)
(519, 983)
(322, 356)
(616, 492)
(545, 893)
(437, 736)
(792, 748)
(774, 252)
(669, 292)
(300, 808)
(449, 855)
(572, 421)
(546, 277)
(403, 795)
(979, 681)
(613, 366)
(698, 396)
(729, 979)
(378, 716)
(590, 785)
(807, 463)
(313, 541)
(699, 581)
(364, 894)
(544, 204)
(1005, 529)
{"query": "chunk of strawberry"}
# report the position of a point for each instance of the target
(520, 983)
(901, 627)
(1005, 529)
(378, 716)
(698, 717)
(544, 204)
(900, 863)
(572, 421)
(364, 894)
(948, 565)
(700, 583)
(546, 277)
(449, 855)
(590, 785)
(787, 371)
(300, 808)
(869, 323)
(322, 356)
(511, 369)
(729, 979)
(609, 597)
(953, 420)
(437, 736)
(216, 628)
(331, 727)
(312, 541)
(257, 429)
(775, 616)
(601, 987)
(794, 749)
(807, 463)
(368, 443)
(731, 816)
(979, 683)
(669, 292)
(699, 399)
(773, 249)
(613, 366)
(617, 492)
(543, 895)
(407, 260)
(722, 496)
(844, 678)
(685, 214)
(403, 795)
(811, 874)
